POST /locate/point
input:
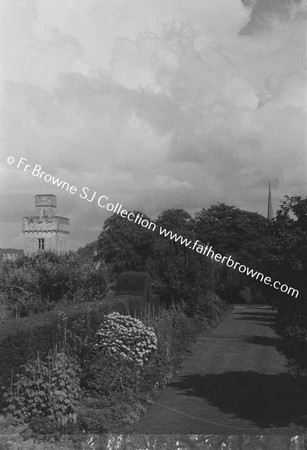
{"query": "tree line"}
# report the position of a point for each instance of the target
(277, 248)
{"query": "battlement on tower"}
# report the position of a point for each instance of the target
(53, 224)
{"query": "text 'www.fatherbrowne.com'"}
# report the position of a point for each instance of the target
(207, 251)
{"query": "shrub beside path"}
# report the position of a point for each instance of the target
(236, 382)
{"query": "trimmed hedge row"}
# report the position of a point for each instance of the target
(133, 283)
(21, 339)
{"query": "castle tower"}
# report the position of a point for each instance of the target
(270, 207)
(45, 231)
(45, 205)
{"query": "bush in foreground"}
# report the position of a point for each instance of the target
(47, 389)
(116, 389)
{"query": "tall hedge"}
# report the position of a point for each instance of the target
(21, 339)
(133, 283)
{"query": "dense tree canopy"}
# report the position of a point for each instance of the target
(89, 250)
(289, 264)
(125, 245)
(231, 230)
(177, 220)
(184, 272)
(290, 241)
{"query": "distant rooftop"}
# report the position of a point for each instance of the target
(11, 253)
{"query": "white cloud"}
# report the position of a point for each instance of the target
(166, 184)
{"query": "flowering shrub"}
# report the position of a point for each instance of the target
(126, 337)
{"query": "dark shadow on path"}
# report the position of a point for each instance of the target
(266, 400)
(256, 317)
(265, 319)
(262, 340)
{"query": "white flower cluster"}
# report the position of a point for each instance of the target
(126, 337)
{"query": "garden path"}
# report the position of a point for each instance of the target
(236, 382)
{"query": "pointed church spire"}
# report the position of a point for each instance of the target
(270, 208)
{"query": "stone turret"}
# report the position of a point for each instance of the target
(45, 231)
(45, 205)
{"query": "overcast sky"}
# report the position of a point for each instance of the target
(155, 103)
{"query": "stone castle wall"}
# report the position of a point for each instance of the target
(54, 242)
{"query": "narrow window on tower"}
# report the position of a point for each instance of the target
(41, 244)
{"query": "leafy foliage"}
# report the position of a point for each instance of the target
(21, 339)
(233, 231)
(289, 230)
(208, 306)
(124, 245)
(49, 389)
(289, 264)
(89, 250)
(177, 220)
(109, 376)
(133, 283)
(70, 327)
(182, 272)
(175, 332)
(37, 284)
